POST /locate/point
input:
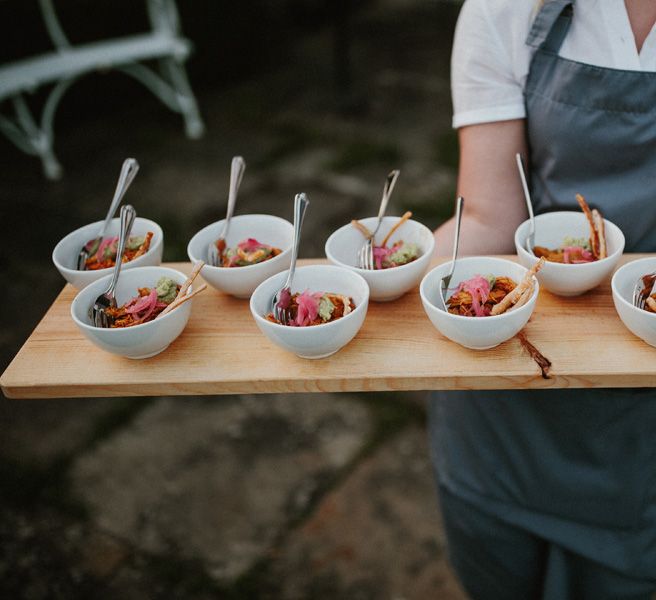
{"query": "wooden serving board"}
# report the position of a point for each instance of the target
(222, 351)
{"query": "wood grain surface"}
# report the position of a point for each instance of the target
(222, 352)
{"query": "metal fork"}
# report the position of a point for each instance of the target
(530, 240)
(215, 249)
(108, 298)
(444, 284)
(280, 303)
(366, 252)
(639, 295)
(128, 173)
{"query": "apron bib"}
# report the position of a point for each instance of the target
(577, 467)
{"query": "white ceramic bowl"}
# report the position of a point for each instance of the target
(550, 231)
(139, 341)
(386, 284)
(66, 251)
(637, 321)
(478, 333)
(317, 341)
(242, 281)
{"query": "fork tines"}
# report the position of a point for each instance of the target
(366, 255)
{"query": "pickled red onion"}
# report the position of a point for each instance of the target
(478, 288)
(308, 307)
(585, 255)
(251, 245)
(105, 243)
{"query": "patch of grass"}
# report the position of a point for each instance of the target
(252, 584)
(292, 137)
(365, 152)
(432, 211)
(112, 421)
(28, 485)
(392, 413)
(181, 578)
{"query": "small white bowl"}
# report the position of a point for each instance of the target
(477, 333)
(637, 321)
(317, 341)
(139, 341)
(66, 251)
(550, 231)
(386, 284)
(241, 281)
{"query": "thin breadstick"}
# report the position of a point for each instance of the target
(651, 303)
(601, 232)
(525, 297)
(181, 300)
(347, 304)
(513, 297)
(194, 273)
(360, 227)
(594, 238)
(185, 286)
(400, 222)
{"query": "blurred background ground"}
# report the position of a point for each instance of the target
(318, 496)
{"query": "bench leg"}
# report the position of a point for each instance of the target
(175, 73)
(31, 138)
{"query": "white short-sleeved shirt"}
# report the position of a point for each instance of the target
(491, 59)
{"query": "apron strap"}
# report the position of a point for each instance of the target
(550, 25)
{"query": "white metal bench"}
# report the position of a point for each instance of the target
(67, 63)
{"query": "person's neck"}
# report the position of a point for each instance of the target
(642, 16)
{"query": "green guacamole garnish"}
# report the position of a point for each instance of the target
(326, 308)
(167, 290)
(405, 254)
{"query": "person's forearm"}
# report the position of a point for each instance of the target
(476, 237)
(488, 180)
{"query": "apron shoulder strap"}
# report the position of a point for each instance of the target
(550, 25)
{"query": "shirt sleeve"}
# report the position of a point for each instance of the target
(485, 86)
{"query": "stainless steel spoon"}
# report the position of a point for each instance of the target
(444, 284)
(280, 303)
(530, 240)
(108, 298)
(215, 249)
(128, 173)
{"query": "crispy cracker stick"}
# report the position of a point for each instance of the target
(347, 304)
(509, 299)
(400, 222)
(651, 303)
(185, 286)
(601, 233)
(194, 272)
(182, 299)
(594, 237)
(361, 228)
(525, 297)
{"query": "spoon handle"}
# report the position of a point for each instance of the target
(237, 168)
(527, 194)
(459, 204)
(128, 214)
(300, 206)
(128, 173)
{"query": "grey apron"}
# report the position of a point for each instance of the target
(574, 467)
